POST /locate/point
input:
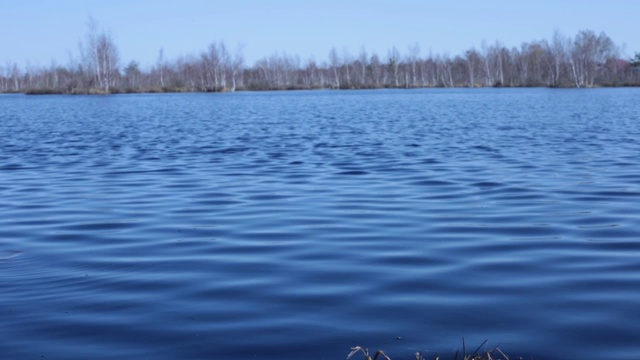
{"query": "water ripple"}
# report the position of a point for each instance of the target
(305, 223)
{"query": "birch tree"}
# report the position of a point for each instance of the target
(334, 61)
(558, 53)
(100, 56)
(413, 58)
(473, 60)
(393, 58)
(361, 68)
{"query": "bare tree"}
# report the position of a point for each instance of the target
(393, 58)
(361, 68)
(473, 60)
(375, 70)
(489, 68)
(236, 66)
(14, 73)
(161, 66)
(334, 61)
(445, 71)
(100, 55)
(558, 54)
(347, 63)
(413, 58)
(521, 63)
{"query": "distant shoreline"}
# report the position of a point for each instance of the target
(40, 92)
(586, 60)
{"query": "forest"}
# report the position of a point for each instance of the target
(586, 60)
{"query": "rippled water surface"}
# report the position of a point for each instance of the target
(295, 225)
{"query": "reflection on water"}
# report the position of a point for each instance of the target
(300, 224)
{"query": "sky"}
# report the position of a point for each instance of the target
(39, 32)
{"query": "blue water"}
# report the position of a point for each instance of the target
(296, 225)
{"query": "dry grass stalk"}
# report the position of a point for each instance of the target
(487, 354)
(365, 351)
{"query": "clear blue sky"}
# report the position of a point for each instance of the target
(38, 31)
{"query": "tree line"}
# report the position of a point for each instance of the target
(585, 60)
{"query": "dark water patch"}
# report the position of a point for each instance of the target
(267, 197)
(299, 176)
(625, 164)
(353, 172)
(9, 254)
(628, 178)
(487, 184)
(455, 197)
(484, 148)
(430, 183)
(275, 238)
(594, 220)
(140, 171)
(238, 174)
(34, 222)
(613, 231)
(620, 194)
(202, 202)
(520, 199)
(13, 167)
(480, 230)
(98, 226)
(404, 174)
(590, 199)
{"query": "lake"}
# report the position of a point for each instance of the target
(296, 225)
